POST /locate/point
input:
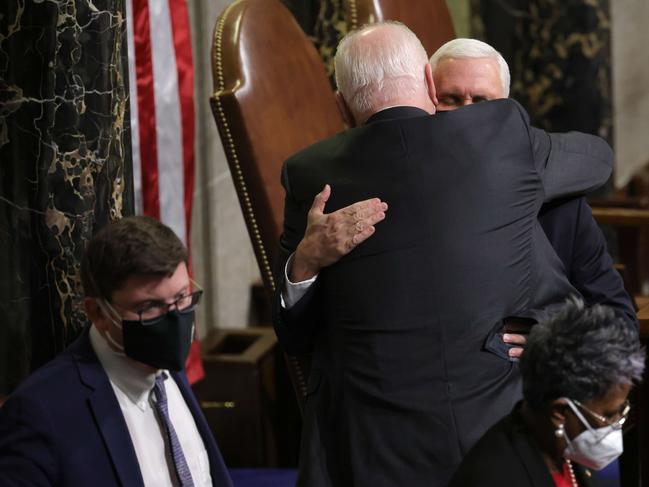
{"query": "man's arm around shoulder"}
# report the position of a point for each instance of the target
(569, 164)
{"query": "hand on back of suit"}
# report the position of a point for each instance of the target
(515, 333)
(330, 236)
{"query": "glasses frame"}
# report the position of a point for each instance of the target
(617, 424)
(195, 300)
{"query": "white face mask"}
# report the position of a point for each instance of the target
(594, 448)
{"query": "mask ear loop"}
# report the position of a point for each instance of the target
(597, 432)
(581, 417)
(109, 310)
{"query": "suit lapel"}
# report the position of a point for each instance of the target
(107, 413)
(537, 471)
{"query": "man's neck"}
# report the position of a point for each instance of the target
(401, 102)
(133, 378)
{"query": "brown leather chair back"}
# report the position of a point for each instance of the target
(428, 19)
(271, 99)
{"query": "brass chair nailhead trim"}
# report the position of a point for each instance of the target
(240, 183)
(353, 14)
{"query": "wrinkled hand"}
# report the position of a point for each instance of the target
(330, 236)
(516, 334)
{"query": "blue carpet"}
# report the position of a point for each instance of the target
(258, 477)
(255, 477)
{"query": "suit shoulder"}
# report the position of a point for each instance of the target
(54, 383)
(490, 462)
(317, 151)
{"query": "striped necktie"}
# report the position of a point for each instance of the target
(180, 464)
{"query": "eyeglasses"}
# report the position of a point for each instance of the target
(616, 424)
(153, 311)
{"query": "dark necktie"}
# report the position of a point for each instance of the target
(180, 464)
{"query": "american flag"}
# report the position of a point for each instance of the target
(161, 85)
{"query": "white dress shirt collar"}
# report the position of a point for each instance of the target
(132, 379)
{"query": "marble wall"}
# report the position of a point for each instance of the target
(559, 55)
(64, 165)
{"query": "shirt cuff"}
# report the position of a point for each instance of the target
(293, 291)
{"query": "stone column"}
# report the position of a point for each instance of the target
(65, 165)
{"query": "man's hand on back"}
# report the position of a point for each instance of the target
(330, 236)
(515, 333)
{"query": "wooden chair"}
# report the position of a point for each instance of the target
(428, 19)
(631, 224)
(271, 99)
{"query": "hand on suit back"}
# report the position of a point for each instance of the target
(515, 333)
(330, 236)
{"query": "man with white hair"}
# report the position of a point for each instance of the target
(408, 369)
(468, 71)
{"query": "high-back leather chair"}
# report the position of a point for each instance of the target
(428, 19)
(271, 99)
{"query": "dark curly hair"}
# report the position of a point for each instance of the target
(579, 353)
(135, 245)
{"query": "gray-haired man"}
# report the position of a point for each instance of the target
(468, 71)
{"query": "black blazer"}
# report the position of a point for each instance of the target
(402, 381)
(507, 455)
(581, 246)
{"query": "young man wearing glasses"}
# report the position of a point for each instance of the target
(115, 408)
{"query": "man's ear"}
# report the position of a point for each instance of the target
(430, 84)
(344, 110)
(95, 313)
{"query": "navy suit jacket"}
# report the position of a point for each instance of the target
(63, 426)
(581, 246)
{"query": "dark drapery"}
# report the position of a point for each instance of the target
(559, 55)
(65, 165)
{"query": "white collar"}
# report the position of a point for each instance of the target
(135, 382)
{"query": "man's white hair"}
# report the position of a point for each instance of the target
(378, 64)
(472, 49)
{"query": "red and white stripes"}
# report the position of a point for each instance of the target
(161, 85)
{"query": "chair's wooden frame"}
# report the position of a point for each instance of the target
(261, 214)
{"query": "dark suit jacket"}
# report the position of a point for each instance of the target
(63, 427)
(402, 384)
(507, 455)
(580, 244)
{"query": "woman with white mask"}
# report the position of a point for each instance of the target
(577, 369)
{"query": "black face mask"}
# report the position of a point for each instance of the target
(162, 343)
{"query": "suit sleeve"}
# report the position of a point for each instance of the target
(592, 269)
(295, 327)
(570, 164)
(27, 456)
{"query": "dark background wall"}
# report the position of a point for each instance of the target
(64, 165)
